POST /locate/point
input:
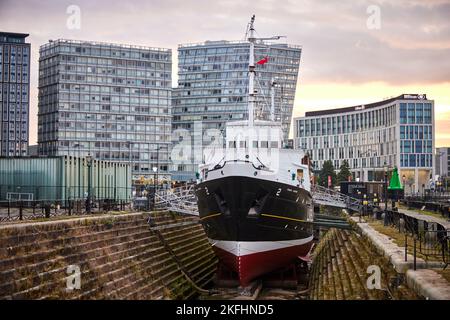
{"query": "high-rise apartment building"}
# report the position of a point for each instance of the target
(212, 89)
(398, 132)
(108, 100)
(443, 161)
(14, 94)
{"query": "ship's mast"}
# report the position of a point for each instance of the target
(251, 72)
(272, 99)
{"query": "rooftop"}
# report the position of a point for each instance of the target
(366, 106)
(8, 36)
(101, 44)
(228, 42)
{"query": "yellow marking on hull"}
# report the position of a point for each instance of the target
(211, 215)
(281, 217)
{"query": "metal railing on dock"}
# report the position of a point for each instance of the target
(181, 199)
(425, 239)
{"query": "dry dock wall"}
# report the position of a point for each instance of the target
(117, 255)
(340, 270)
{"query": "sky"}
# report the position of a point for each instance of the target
(354, 52)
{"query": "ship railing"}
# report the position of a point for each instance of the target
(181, 199)
(326, 196)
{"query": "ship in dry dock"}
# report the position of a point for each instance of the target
(254, 195)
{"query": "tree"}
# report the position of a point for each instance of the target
(344, 172)
(327, 170)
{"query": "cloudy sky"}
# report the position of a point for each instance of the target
(349, 55)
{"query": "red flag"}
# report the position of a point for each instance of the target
(262, 61)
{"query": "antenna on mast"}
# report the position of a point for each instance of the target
(272, 96)
(251, 72)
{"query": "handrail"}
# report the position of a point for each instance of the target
(177, 260)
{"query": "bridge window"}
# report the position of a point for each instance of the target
(264, 144)
(232, 144)
(300, 175)
(274, 144)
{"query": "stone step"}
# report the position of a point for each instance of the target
(119, 257)
(175, 235)
(182, 246)
(203, 275)
(61, 262)
(40, 231)
(173, 231)
(90, 275)
(39, 251)
(159, 264)
(193, 267)
(119, 277)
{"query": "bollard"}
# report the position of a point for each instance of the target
(415, 254)
(20, 211)
(406, 247)
(47, 211)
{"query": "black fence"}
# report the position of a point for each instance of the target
(439, 205)
(429, 240)
(63, 193)
(431, 245)
(12, 210)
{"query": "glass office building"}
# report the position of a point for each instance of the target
(108, 100)
(443, 161)
(14, 94)
(396, 132)
(212, 89)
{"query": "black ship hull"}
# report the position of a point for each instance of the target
(255, 225)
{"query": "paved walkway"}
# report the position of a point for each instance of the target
(416, 214)
(421, 216)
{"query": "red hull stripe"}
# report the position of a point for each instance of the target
(242, 248)
(251, 266)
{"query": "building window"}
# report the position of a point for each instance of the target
(411, 113)
(427, 113)
(403, 113)
(412, 160)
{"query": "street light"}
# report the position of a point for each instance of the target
(155, 170)
(385, 168)
(130, 161)
(404, 182)
(89, 195)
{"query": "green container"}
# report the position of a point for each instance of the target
(63, 178)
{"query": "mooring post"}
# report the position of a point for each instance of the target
(415, 253)
(406, 247)
(20, 211)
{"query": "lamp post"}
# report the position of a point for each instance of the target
(89, 195)
(404, 183)
(385, 168)
(130, 161)
(155, 172)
